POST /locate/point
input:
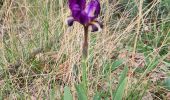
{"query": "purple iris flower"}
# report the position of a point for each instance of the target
(85, 14)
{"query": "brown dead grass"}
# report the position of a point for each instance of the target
(24, 24)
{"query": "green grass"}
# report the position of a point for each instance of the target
(41, 57)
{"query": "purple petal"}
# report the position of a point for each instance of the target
(83, 14)
(70, 21)
(89, 13)
(93, 9)
(80, 4)
(96, 26)
(83, 18)
(76, 7)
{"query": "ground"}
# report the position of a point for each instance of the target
(41, 57)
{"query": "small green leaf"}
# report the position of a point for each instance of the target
(81, 92)
(153, 65)
(167, 83)
(118, 94)
(107, 98)
(120, 90)
(116, 64)
(123, 75)
(67, 93)
(97, 96)
(52, 94)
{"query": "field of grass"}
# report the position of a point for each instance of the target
(41, 57)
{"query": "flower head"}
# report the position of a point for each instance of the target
(85, 14)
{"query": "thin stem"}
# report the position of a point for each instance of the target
(85, 54)
(85, 43)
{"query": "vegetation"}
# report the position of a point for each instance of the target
(41, 57)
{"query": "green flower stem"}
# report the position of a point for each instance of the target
(85, 43)
(85, 63)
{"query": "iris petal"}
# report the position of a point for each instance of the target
(93, 9)
(70, 21)
(96, 26)
(77, 7)
(80, 3)
(83, 13)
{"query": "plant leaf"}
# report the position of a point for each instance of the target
(81, 92)
(120, 90)
(97, 96)
(118, 95)
(116, 64)
(67, 93)
(123, 75)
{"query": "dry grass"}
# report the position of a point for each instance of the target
(48, 53)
